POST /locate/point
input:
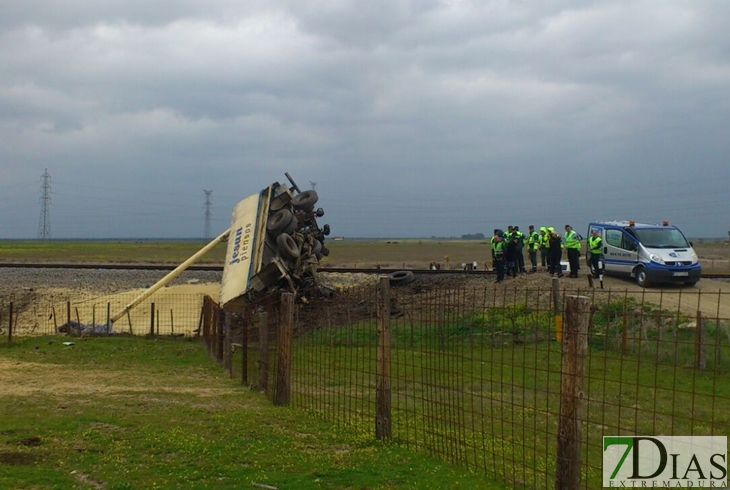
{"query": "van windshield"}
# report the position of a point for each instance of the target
(661, 237)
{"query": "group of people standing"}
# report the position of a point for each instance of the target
(508, 256)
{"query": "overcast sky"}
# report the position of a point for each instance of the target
(413, 118)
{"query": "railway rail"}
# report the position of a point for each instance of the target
(219, 268)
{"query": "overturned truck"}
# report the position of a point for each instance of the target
(275, 243)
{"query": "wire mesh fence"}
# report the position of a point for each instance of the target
(164, 313)
(478, 376)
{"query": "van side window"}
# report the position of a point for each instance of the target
(630, 239)
(619, 239)
(614, 238)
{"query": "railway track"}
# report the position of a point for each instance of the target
(219, 268)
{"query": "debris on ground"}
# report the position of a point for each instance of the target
(76, 328)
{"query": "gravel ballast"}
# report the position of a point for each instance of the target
(97, 280)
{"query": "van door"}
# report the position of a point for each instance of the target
(620, 252)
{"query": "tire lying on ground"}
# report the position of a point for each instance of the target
(401, 278)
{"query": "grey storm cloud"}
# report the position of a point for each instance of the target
(433, 118)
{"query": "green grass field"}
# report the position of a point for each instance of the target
(130, 413)
(119, 251)
(388, 254)
(496, 407)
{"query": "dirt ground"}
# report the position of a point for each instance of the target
(43, 310)
(711, 297)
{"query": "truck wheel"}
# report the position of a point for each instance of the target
(283, 221)
(287, 246)
(317, 249)
(401, 278)
(305, 201)
(642, 279)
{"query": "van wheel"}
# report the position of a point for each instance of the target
(641, 277)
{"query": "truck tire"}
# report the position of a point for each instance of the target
(642, 279)
(305, 201)
(401, 278)
(287, 246)
(283, 221)
(317, 249)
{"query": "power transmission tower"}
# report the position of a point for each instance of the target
(314, 185)
(44, 225)
(207, 213)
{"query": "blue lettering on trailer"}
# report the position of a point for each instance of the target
(241, 243)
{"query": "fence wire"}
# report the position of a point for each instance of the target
(475, 374)
(164, 313)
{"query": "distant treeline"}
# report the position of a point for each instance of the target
(473, 236)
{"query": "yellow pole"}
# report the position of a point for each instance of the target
(171, 275)
(557, 310)
(558, 327)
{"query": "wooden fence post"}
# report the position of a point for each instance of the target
(220, 325)
(557, 310)
(205, 321)
(245, 324)
(152, 319)
(263, 351)
(570, 431)
(10, 324)
(700, 343)
(382, 378)
(286, 332)
(227, 344)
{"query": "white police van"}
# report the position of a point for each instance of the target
(649, 253)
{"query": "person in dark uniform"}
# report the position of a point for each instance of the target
(533, 245)
(511, 255)
(498, 255)
(520, 245)
(556, 254)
